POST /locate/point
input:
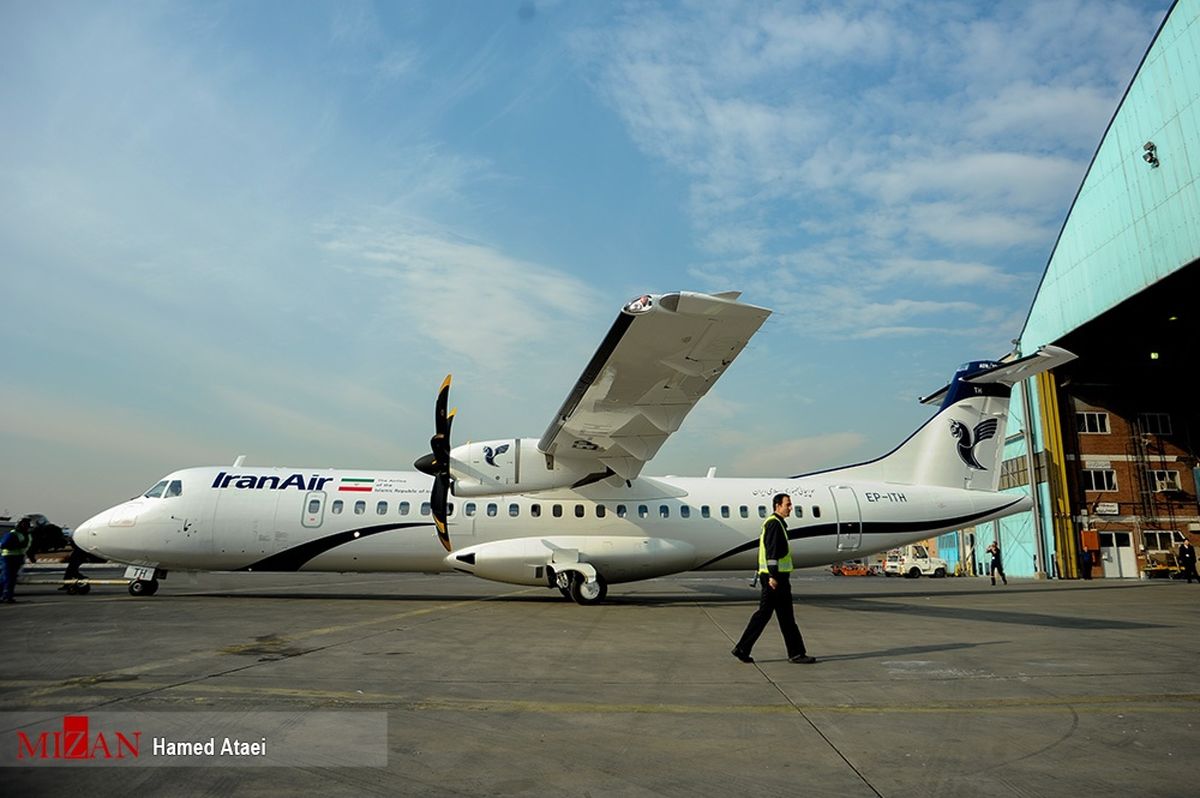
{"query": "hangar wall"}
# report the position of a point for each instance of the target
(1134, 222)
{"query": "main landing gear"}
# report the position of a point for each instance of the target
(575, 586)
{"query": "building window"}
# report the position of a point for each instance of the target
(1092, 423)
(1099, 479)
(1162, 540)
(1162, 480)
(1155, 423)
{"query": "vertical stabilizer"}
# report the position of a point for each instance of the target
(963, 444)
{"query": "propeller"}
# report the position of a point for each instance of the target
(437, 462)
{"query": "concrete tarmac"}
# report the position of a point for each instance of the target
(924, 687)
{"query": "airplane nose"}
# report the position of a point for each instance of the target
(87, 534)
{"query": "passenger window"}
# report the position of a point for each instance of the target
(491, 509)
(797, 511)
(381, 508)
(724, 510)
(360, 507)
(425, 509)
(535, 510)
(744, 511)
(403, 508)
(579, 511)
(314, 506)
(705, 512)
(600, 511)
(621, 511)
(557, 511)
(762, 511)
(513, 511)
(816, 511)
(643, 511)
(157, 491)
(174, 489)
(336, 508)
(469, 509)
(664, 511)
(685, 512)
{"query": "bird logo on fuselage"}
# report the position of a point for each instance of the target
(967, 441)
(490, 454)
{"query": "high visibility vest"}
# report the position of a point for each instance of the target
(19, 547)
(785, 563)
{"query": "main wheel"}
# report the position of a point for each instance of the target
(585, 593)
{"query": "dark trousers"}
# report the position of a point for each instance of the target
(997, 568)
(8, 578)
(78, 557)
(777, 602)
(1189, 570)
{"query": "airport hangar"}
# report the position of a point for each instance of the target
(1113, 436)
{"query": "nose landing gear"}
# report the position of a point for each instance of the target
(143, 587)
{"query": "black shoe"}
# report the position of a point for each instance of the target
(802, 659)
(742, 655)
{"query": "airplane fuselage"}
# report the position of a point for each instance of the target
(284, 519)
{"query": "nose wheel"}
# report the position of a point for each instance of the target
(143, 587)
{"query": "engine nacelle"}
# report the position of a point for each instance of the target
(524, 561)
(511, 465)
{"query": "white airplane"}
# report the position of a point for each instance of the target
(572, 510)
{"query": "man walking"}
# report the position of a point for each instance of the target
(997, 566)
(774, 575)
(1187, 561)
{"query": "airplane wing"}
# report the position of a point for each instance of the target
(662, 354)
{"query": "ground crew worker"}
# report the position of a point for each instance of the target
(774, 574)
(13, 548)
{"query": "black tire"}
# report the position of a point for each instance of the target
(138, 587)
(587, 595)
(940, 573)
(152, 587)
(914, 573)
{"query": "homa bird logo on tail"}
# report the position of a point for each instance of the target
(490, 454)
(967, 441)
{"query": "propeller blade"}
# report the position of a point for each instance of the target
(437, 504)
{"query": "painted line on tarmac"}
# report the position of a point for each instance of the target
(1156, 702)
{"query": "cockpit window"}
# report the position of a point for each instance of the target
(174, 489)
(157, 491)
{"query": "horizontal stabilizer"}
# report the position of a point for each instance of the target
(1010, 373)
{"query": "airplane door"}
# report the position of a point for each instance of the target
(314, 509)
(849, 517)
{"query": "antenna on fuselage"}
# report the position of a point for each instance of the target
(241, 458)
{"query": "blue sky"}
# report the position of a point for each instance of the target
(272, 228)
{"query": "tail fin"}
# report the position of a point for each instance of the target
(963, 444)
